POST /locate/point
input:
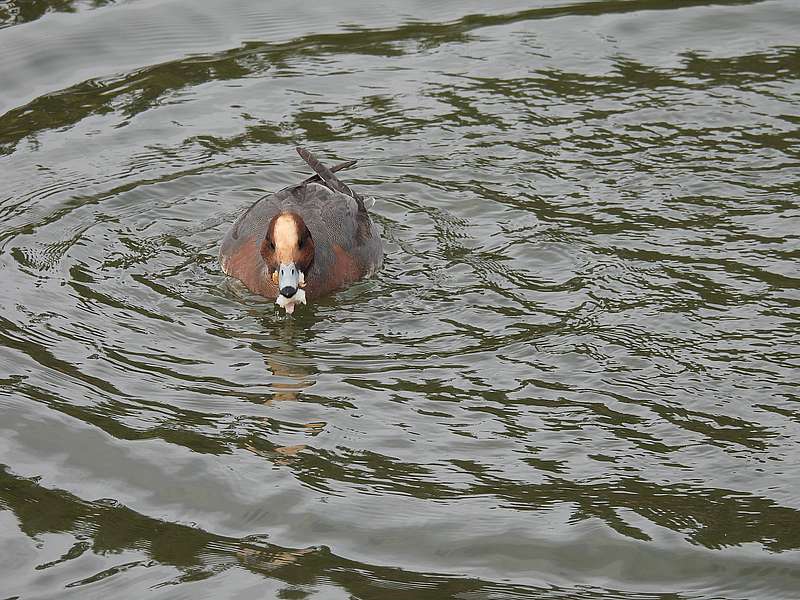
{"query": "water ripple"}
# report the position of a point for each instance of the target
(573, 378)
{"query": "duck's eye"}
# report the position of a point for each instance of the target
(272, 245)
(301, 243)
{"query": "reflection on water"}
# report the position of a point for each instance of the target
(15, 12)
(292, 371)
(575, 376)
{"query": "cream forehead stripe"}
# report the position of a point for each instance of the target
(285, 236)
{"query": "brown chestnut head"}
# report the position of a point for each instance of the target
(288, 251)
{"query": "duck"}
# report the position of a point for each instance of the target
(304, 241)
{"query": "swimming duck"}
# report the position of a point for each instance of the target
(304, 241)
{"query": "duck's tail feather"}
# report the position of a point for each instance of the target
(329, 178)
(334, 169)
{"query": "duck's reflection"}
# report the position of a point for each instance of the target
(266, 561)
(292, 372)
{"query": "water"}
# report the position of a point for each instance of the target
(575, 377)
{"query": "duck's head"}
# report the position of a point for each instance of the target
(288, 251)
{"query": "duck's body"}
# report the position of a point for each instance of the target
(319, 227)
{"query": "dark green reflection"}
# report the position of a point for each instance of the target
(105, 528)
(15, 12)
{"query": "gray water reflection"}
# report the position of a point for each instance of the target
(575, 376)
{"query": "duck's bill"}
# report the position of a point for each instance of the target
(289, 277)
(290, 280)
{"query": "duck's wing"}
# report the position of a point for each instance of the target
(254, 221)
(240, 254)
(347, 242)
